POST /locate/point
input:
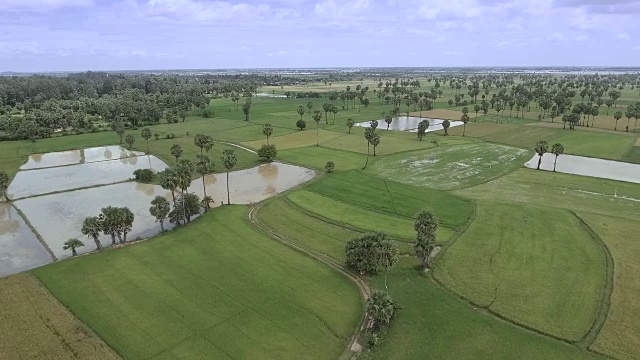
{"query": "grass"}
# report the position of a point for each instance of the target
(451, 167)
(595, 144)
(620, 335)
(633, 155)
(317, 156)
(216, 288)
(549, 277)
(36, 326)
(295, 140)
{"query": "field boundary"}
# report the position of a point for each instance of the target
(353, 345)
(35, 232)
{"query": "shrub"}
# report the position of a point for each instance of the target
(156, 135)
(301, 124)
(144, 175)
(329, 166)
(267, 152)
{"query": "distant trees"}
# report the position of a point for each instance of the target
(146, 135)
(229, 160)
(118, 128)
(425, 226)
(388, 119)
(300, 111)
(4, 185)
(72, 244)
(327, 108)
(541, 148)
(160, 209)
(130, 140)
(369, 133)
(557, 150)
(246, 109)
(267, 130)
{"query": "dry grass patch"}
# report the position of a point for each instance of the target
(34, 325)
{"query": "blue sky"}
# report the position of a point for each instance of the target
(79, 35)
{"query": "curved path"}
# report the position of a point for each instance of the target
(353, 346)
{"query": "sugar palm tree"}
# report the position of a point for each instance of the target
(557, 150)
(350, 124)
(317, 116)
(72, 244)
(203, 167)
(91, 227)
(388, 119)
(267, 130)
(176, 151)
(300, 111)
(465, 120)
(229, 160)
(541, 149)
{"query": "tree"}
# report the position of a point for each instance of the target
(387, 256)
(369, 133)
(422, 128)
(445, 125)
(118, 128)
(72, 244)
(317, 116)
(388, 119)
(146, 135)
(382, 309)
(557, 150)
(204, 165)
(130, 139)
(91, 227)
(186, 206)
(126, 218)
(329, 166)
(465, 120)
(267, 130)
(301, 124)
(425, 226)
(203, 142)
(350, 124)
(109, 222)
(300, 111)
(246, 109)
(366, 254)
(160, 209)
(541, 149)
(229, 160)
(375, 141)
(326, 107)
(176, 151)
(267, 152)
(373, 124)
(309, 106)
(4, 185)
(169, 181)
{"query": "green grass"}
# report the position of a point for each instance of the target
(534, 265)
(317, 156)
(633, 155)
(620, 335)
(595, 144)
(216, 287)
(389, 197)
(451, 167)
(524, 136)
(577, 193)
(434, 324)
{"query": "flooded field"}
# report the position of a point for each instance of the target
(271, 95)
(73, 157)
(404, 123)
(20, 250)
(58, 217)
(54, 179)
(580, 165)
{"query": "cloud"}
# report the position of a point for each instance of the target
(41, 5)
(193, 10)
(602, 6)
(446, 9)
(279, 53)
(333, 9)
(20, 48)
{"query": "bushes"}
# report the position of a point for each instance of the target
(329, 166)
(170, 136)
(144, 175)
(267, 152)
(301, 124)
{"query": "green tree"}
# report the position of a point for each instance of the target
(91, 227)
(160, 209)
(425, 227)
(203, 142)
(126, 218)
(309, 106)
(388, 119)
(381, 308)
(246, 109)
(465, 120)
(176, 151)
(375, 141)
(541, 149)
(118, 128)
(72, 244)
(369, 133)
(110, 221)
(350, 124)
(326, 107)
(300, 111)
(130, 140)
(229, 160)
(204, 165)
(4, 185)
(557, 150)
(146, 135)
(445, 125)
(329, 166)
(317, 116)
(267, 130)
(365, 254)
(301, 124)
(186, 206)
(267, 152)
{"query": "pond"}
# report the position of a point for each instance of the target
(73, 157)
(20, 250)
(97, 172)
(58, 217)
(410, 123)
(586, 166)
(271, 95)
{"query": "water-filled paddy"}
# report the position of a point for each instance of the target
(410, 123)
(20, 250)
(48, 180)
(580, 165)
(73, 157)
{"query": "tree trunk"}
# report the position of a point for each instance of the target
(464, 129)
(73, 251)
(161, 225)
(204, 190)
(539, 162)
(367, 162)
(113, 238)
(98, 244)
(554, 164)
(317, 127)
(228, 194)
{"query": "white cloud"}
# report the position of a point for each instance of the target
(193, 10)
(20, 48)
(332, 9)
(431, 9)
(42, 5)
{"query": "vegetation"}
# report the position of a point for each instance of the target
(425, 226)
(144, 175)
(329, 166)
(73, 244)
(229, 160)
(267, 152)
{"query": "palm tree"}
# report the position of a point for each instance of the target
(203, 167)
(229, 160)
(300, 111)
(267, 130)
(369, 133)
(176, 151)
(91, 227)
(309, 106)
(541, 149)
(72, 244)
(465, 120)
(388, 119)
(350, 124)
(317, 116)
(204, 142)
(375, 141)
(4, 185)
(146, 135)
(422, 128)
(159, 209)
(557, 150)
(445, 125)
(381, 308)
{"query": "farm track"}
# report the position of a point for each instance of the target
(353, 345)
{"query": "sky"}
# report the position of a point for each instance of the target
(81, 35)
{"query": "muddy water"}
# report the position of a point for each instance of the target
(44, 181)
(404, 123)
(580, 165)
(73, 157)
(58, 217)
(20, 250)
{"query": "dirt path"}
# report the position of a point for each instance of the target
(352, 346)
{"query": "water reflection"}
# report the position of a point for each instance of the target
(580, 165)
(410, 123)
